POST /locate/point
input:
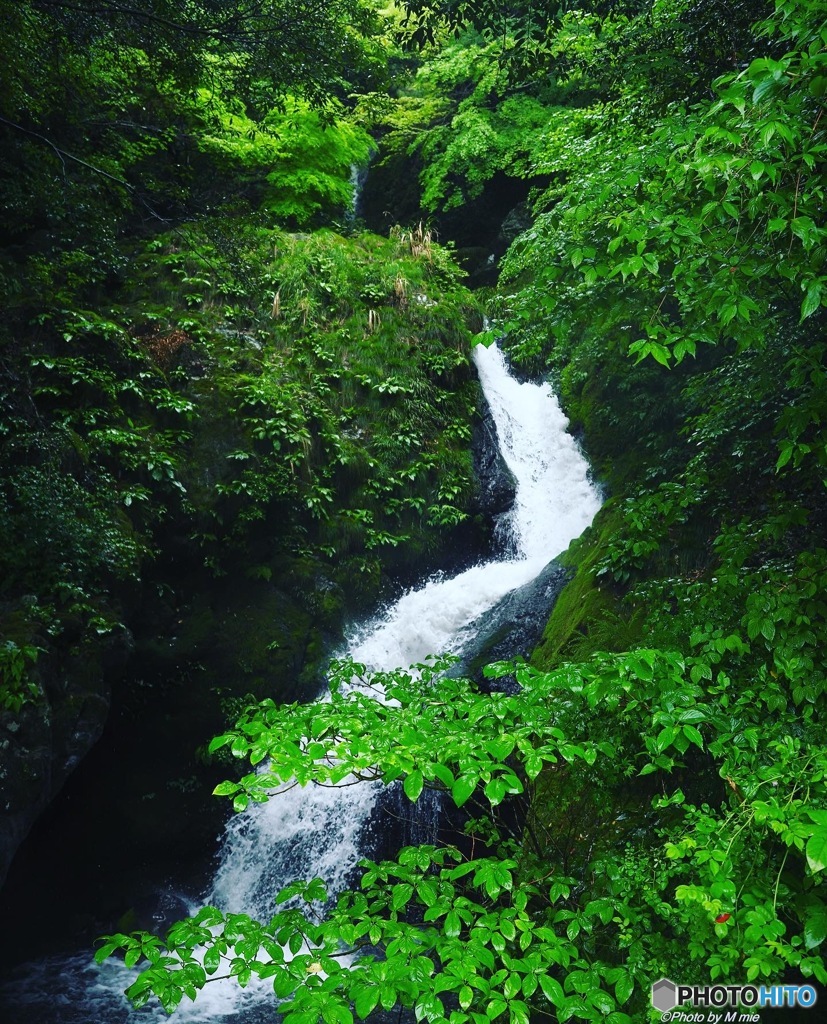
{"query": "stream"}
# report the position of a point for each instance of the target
(322, 831)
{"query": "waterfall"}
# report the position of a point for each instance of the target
(358, 177)
(320, 830)
(554, 502)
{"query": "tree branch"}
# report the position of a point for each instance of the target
(61, 153)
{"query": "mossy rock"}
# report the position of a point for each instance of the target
(589, 615)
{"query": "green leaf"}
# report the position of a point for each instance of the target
(284, 984)
(763, 88)
(694, 714)
(444, 774)
(817, 850)
(366, 1001)
(495, 791)
(805, 229)
(602, 1000)
(624, 988)
(225, 789)
(727, 313)
(401, 895)
(665, 738)
(413, 785)
(552, 990)
(219, 741)
(453, 925)
(212, 959)
(815, 925)
(143, 982)
(818, 86)
(658, 352)
(462, 789)
(812, 300)
(500, 748)
(132, 956)
(105, 951)
(693, 736)
(496, 1007)
(787, 450)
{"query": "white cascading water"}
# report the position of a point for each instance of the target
(320, 831)
(555, 501)
(316, 830)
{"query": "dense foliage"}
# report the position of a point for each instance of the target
(210, 406)
(646, 796)
(202, 437)
(167, 384)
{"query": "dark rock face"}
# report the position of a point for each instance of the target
(42, 743)
(497, 485)
(515, 222)
(514, 626)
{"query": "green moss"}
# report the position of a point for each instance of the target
(589, 615)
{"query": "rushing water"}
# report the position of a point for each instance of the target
(321, 831)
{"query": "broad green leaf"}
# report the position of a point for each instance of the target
(401, 895)
(366, 1001)
(495, 1008)
(453, 924)
(552, 989)
(818, 86)
(212, 959)
(132, 956)
(105, 951)
(812, 300)
(602, 1000)
(413, 785)
(817, 849)
(815, 925)
(225, 789)
(462, 789)
(624, 987)
(444, 774)
(785, 456)
(495, 790)
(500, 748)
(763, 88)
(692, 734)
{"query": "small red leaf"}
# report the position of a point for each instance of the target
(722, 917)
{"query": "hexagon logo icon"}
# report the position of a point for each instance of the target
(664, 995)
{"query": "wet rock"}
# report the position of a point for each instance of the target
(496, 481)
(513, 627)
(515, 222)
